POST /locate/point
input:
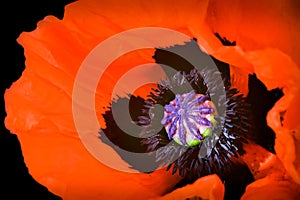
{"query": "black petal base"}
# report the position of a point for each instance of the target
(262, 100)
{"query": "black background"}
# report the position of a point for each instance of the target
(19, 16)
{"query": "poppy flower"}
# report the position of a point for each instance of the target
(255, 51)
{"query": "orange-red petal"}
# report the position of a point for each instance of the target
(274, 186)
(39, 107)
(208, 187)
(39, 104)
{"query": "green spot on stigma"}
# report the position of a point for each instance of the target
(193, 143)
(207, 132)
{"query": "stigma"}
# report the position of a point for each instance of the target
(189, 118)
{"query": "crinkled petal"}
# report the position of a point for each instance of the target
(274, 186)
(276, 69)
(207, 187)
(257, 24)
(39, 104)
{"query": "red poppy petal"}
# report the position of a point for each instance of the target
(275, 69)
(39, 104)
(257, 24)
(268, 65)
(208, 187)
(274, 186)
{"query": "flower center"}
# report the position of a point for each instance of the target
(189, 118)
